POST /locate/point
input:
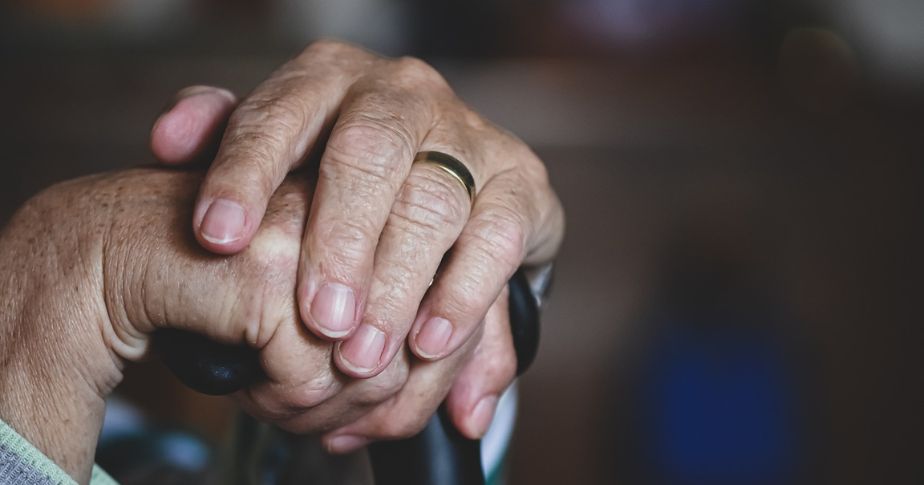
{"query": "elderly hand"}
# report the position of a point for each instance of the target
(380, 225)
(92, 267)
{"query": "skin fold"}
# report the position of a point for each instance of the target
(93, 266)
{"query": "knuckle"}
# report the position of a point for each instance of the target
(370, 150)
(281, 402)
(328, 46)
(463, 300)
(475, 121)
(277, 405)
(390, 300)
(285, 215)
(347, 242)
(430, 201)
(245, 169)
(310, 394)
(272, 254)
(251, 137)
(344, 57)
(416, 71)
(499, 235)
(278, 110)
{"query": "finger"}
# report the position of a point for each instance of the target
(426, 218)
(298, 374)
(405, 413)
(304, 407)
(267, 135)
(183, 132)
(487, 253)
(365, 162)
(472, 401)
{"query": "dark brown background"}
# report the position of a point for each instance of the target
(748, 143)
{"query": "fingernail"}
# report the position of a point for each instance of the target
(482, 415)
(433, 337)
(223, 222)
(362, 352)
(346, 443)
(333, 309)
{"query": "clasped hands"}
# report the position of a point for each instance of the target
(330, 276)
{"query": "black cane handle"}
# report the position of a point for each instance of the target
(439, 455)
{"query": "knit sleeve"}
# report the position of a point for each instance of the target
(21, 463)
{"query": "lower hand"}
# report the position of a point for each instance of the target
(94, 266)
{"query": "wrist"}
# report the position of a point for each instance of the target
(57, 369)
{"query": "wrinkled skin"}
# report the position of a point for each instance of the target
(93, 266)
(380, 225)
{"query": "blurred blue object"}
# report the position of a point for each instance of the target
(136, 451)
(719, 408)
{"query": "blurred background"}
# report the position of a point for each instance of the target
(737, 297)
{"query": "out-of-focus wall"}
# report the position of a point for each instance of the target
(742, 181)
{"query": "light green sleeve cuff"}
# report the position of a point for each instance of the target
(100, 477)
(23, 464)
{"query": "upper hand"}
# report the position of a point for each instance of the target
(379, 226)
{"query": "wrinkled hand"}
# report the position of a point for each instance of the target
(94, 266)
(379, 226)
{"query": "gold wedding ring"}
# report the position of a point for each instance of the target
(452, 166)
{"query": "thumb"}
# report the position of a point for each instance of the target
(192, 124)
